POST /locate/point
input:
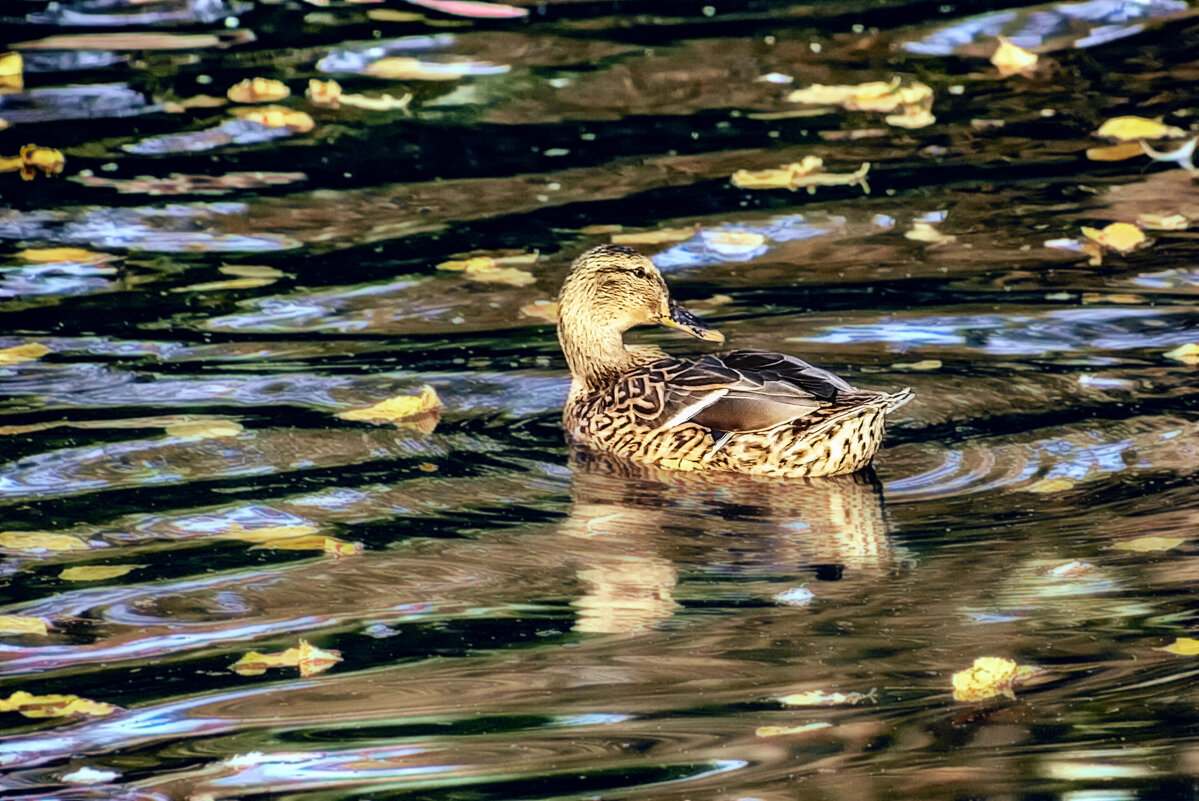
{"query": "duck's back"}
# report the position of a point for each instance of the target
(746, 411)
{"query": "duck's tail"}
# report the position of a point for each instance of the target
(897, 399)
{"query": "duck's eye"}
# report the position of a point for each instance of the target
(639, 272)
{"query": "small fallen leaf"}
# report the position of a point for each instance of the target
(396, 408)
(266, 533)
(1011, 59)
(19, 354)
(502, 275)
(1187, 354)
(911, 118)
(62, 255)
(391, 15)
(1183, 646)
(383, 103)
(1113, 297)
(1121, 237)
(925, 232)
(312, 542)
(41, 541)
(53, 706)
(839, 94)
(807, 174)
(96, 572)
(250, 271)
(1126, 150)
(404, 68)
(1129, 128)
(46, 159)
(1146, 544)
(323, 93)
(307, 657)
(16, 624)
(205, 429)
(778, 731)
(1049, 486)
(659, 237)
(541, 309)
(12, 68)
(821, 698)
(988, 677)
(276, 117)
(923, 364)
(258, 90)
(1162, 222)
(232, 283)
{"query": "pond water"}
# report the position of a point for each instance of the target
(187, 306)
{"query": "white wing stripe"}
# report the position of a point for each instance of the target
(687, 412)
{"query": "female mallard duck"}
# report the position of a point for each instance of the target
(746, 411)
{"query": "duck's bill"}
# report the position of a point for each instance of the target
(684, 320)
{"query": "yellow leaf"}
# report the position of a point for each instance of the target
(1051, 485)
(96, 572)
(925, 232)
(205, 429)
(250, 271)
(313, 660)
(1162, 222)
(323, 93)
(258, 90)
(276, 117)
(46, 159)
(307, 657)
(924, 364)
(402, 68)
(396, 408)
(777, 731)
(22, 353)
(57, 255)
(502, 275)
(820, 95)
(391, 15)
(1114, 297)
(1126, 150)
(41, 541)
(1144, 544)
(312, 542)
(806, 173)
(541, 309)
(911, 118)
(1187, 354)
(266, 533)
(1011, 59)
(232, 283)
(659, 237)
(53, 706)
(989, 676)
(1129, 128)
(384, 102)
(15, 624)
(821, 698)
(1121, 237)
(1183, 646)
(11, 64)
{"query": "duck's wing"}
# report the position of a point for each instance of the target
(748, 390)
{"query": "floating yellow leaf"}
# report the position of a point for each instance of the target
(12, 68)
(541, 309)
(1113, 297)
(1183, 646)
(307, 657)
(96, 572)
(807, 174)
(821, 698)
(1121, 237)
(1163, 222)
(925, 232)
(402, 68)
(839, 94)
(396, 408)
(1187, 354)
(923, 364)
(41, 541)
(603, 228)
(258, 90)
(1120, 152)
(204, 429)
(1127, 129)
(911, 118)
(1049, 486)
(266, 533)
(988, 677)
(53, 706)
(1145, 544)
(58, 255)
(312, 542)
(502, 275)
(198, 101)
(1011, 59)
(659, 237)
(391, 15)
(46, 159)
(250, 271)
(478, 264)
(232, 283)
(778, 731)
(323, 93)
(15, 624)
(384, 102)
(276, 117)
(22, 353)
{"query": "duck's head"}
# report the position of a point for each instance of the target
(614, 287)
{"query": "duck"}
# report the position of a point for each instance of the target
(742, 411)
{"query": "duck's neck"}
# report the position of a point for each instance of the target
(596, 354)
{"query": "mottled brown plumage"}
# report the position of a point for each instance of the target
(746, 411)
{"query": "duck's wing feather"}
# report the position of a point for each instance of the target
(747, 390)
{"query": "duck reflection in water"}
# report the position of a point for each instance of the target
(639, 527)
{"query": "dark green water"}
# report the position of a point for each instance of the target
(524, 625)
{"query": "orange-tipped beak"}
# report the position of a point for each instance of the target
(684, 320)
